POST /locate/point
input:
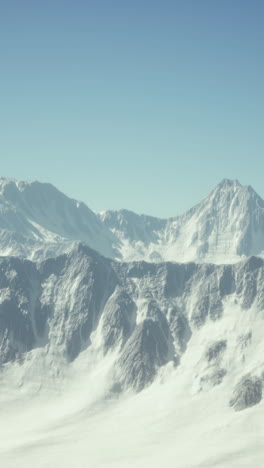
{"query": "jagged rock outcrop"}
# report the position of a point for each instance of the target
(146, 350)
(215, 350)
(118, 319)
(147, 312)
(247, 393)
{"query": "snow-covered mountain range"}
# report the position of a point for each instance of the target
(108, 320)
(145, 315)
(37, 221)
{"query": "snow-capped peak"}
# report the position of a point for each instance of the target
(227, 225)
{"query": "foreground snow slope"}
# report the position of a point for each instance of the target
(81, 335)
(38, 221)
(163, 425)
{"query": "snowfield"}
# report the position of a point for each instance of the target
(161, 425)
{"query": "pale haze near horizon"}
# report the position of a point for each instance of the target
(144, 107)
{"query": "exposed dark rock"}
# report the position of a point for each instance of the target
(180, 329)
(145, 351)
(119, 319)
(215, 350)
(247, 393)
(227, 283)
(201, 310)
(213, 378)
(245, 339)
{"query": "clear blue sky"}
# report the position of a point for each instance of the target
(143, 104)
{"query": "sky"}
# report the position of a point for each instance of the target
(144, 105)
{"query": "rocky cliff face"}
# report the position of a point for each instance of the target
(147, 315)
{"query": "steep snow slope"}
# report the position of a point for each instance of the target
(227, 225)
(79, 334)
(37, 221)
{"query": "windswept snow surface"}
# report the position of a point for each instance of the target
(163, 425)
(116, 364)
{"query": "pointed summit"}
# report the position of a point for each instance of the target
(228, 190)
(234, 184)
(229, 183)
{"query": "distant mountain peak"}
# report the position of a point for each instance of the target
(229, 189)
(226, 225)
(229, 183)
